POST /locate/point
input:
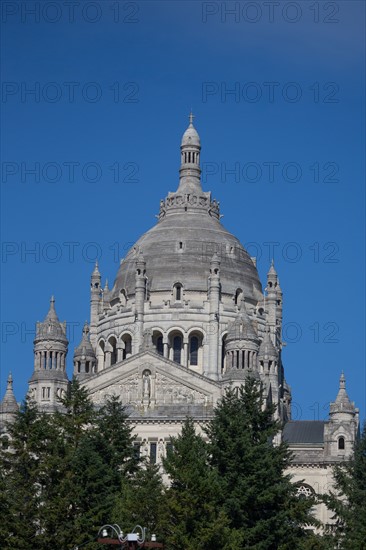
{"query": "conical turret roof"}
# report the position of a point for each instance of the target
(9, 403)
(242, 328)
(342, 402)
(51, 328)
(267, 349)
(85, 347)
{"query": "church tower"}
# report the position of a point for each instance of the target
(8, 406)
(85, 361)
(341, 431)
(95, 302)
(274, 305)
(242, 346)
(49, 379)
(190, 149)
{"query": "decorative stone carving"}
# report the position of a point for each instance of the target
(191, 200)
(146, 384)
(144, 449)
(161, 450)
(170, 392)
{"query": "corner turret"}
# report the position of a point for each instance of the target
(342, 429)
(49, 379)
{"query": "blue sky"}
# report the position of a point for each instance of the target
(278, 93)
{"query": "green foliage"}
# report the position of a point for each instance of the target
(62, 474)
(141, 500)
(111, 423)
(256, 495)
(22, 475)
(67, 474)
(191, 520)
(349, 500)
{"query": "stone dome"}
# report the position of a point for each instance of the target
(179, 249)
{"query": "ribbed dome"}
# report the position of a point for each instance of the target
(179, 249)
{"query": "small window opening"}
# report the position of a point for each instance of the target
(177, 349)
(152, 453)
(193, 352)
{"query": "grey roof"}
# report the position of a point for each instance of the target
(267, 349)
(342, 403)
(85, 347)
(166, 264)
(304, 431)
(51, 328)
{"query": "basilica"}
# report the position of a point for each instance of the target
(185, 319)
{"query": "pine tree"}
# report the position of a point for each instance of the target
(22, 478)
(76, 414)
(111, 422)
(254, 492)
(349, 500)
(141, 500)
(191, 520)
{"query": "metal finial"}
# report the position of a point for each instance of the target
(191, 117)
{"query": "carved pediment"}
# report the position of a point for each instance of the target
(169, 392)
(151, 381)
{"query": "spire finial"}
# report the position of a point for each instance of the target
(52, 310)
(10, 381)
(342, 381)
(85, 330)
(191, 117)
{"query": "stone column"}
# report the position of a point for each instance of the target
(140, 289)
(165, 349)
(119, 352)
(214, 326)
(108, 359)
(185, 354)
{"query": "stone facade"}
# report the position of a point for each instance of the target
(186, 318)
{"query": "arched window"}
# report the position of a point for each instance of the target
(177, 349)
(238, 295)
(127, 349)
(177, 292)
(113, 343)
(157, 339)
(341, 443)
(223, 353)
(123, 297)
(159, 345)
(193, 351)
